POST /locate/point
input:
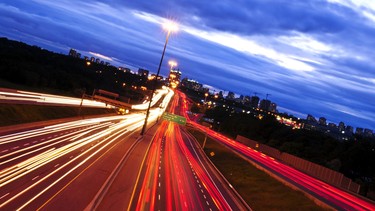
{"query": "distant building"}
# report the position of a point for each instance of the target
(230, 96)
(204, 89)
(92, 59)
(254, 101)
(78, 55)
(97, 60)
(220, 95)
(124, 69)
(102, 62)
(273, 108)
(191, 84)
(265, 104)
(143, 72)
(174, 77)
(107, 63)
(311, 118)
(322, 121)
(246, 100)
(86, 58)
(72, 52)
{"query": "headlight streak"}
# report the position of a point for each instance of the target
(47, 146)
(58, 127)
(120, 131)
(131, 122)
(157, 96)
(48, 99)
(21, 167)
(70, 135)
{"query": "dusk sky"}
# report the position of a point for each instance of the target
(314, 56)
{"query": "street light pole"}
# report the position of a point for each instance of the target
(155, 83)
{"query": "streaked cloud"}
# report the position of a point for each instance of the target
(313, 56)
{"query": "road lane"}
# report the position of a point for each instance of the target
(176, 177)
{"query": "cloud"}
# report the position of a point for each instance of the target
(312, 56)
(101, 56)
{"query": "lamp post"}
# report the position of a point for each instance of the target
(169, 27)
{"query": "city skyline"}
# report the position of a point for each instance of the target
(314, 57)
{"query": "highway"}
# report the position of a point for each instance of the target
(177, 175)
(102, 163)
(326, 193)
(46, 167)
(12, 96)
(37, 164)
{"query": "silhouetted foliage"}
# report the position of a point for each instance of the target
(35, 67)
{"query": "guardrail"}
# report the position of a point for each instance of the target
(320, 172)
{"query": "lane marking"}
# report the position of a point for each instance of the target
(35, 177)
(4, 195)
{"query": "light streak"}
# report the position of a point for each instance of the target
(40, 98)
(65, 138)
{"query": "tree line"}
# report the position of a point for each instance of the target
(35, 67)
(355, 158)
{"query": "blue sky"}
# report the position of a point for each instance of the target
(314, 57)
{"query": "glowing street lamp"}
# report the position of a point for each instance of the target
(172, 64)
(170, 27)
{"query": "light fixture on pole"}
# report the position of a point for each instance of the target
(172, 64)
(170, 27)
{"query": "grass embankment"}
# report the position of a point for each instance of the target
(257, 188)
(17, 114)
